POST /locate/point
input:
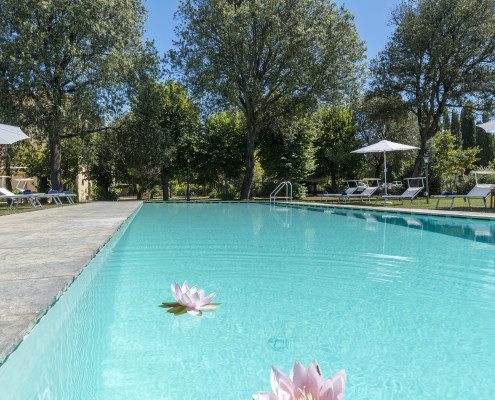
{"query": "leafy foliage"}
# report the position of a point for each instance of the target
(286, 149)
(158, 134)
(456, 128)
(100, 160)
(220, 150)
(450, 158)
(178, 309)
(338, 136)
(253, 55)
(468, 126)
(441, 54)
(63, 63)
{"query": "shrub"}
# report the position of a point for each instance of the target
(299, 191)
(228, 196)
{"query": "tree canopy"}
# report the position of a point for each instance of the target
(255, 54)
(441, 54)
(157, 132)
(338, 136)
(62, 63)
(220, 149)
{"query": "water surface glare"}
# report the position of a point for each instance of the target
(406, 305)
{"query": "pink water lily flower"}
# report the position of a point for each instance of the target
(304, 384)
(193, 299)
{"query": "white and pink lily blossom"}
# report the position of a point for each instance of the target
(304, 384)
(193, 299)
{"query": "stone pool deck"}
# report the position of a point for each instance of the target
(41, 253)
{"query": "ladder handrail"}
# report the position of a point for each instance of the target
(281, 185)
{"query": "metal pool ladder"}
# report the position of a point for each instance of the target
(288, 192)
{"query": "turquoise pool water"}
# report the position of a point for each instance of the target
(406, 305)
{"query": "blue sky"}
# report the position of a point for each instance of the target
(371, 17)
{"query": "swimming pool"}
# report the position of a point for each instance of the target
(405, 304)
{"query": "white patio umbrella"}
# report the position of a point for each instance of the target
(382, 147)
(10, 134)
(489, 126)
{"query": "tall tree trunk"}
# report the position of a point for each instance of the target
(287, 175)
(427, 131)
(419, 162)
(55, 161)
(418, 165)
(54, 130)
(8, 159)
(226, 182)
(42, 184)
(248, 176)
(164, 175)
(333, 178)
(105, 192)
(43, 187)
(378, 169)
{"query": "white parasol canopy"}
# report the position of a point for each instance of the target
(382, 147)
(10, 134)
(489, 126)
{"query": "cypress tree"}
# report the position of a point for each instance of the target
(486, 142)
(446, 120)
(468, 127)
(455, 128)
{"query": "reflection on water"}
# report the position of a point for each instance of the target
(282, 214)
(477, 230)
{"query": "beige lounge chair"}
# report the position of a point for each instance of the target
(352, 186)
(32, 198)
(479, 191)
(409, 194)
(366, 193)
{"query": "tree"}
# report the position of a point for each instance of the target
(468, 127)
(451, 159)
(62, 62)
(100, 161)
(254, 55)
(338, 136)
(441, 54)
(379, 118)
(220, 152)
(286, 147)
(486, 142)
(35, 157)
(456, 128)
(446, 126)
(157, 135)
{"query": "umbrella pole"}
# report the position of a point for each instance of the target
(385, 162)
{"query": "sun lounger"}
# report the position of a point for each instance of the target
(32, 198)
(366, 193)
(67, 195)
(409, 194)
(479, 191)
(352, 186)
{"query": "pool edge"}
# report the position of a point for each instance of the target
(28, 325)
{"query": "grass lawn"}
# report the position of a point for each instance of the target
(419, 204)
(22, 208)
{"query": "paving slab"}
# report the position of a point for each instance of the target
(41, 253)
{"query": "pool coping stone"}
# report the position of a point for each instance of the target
(42, 252)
